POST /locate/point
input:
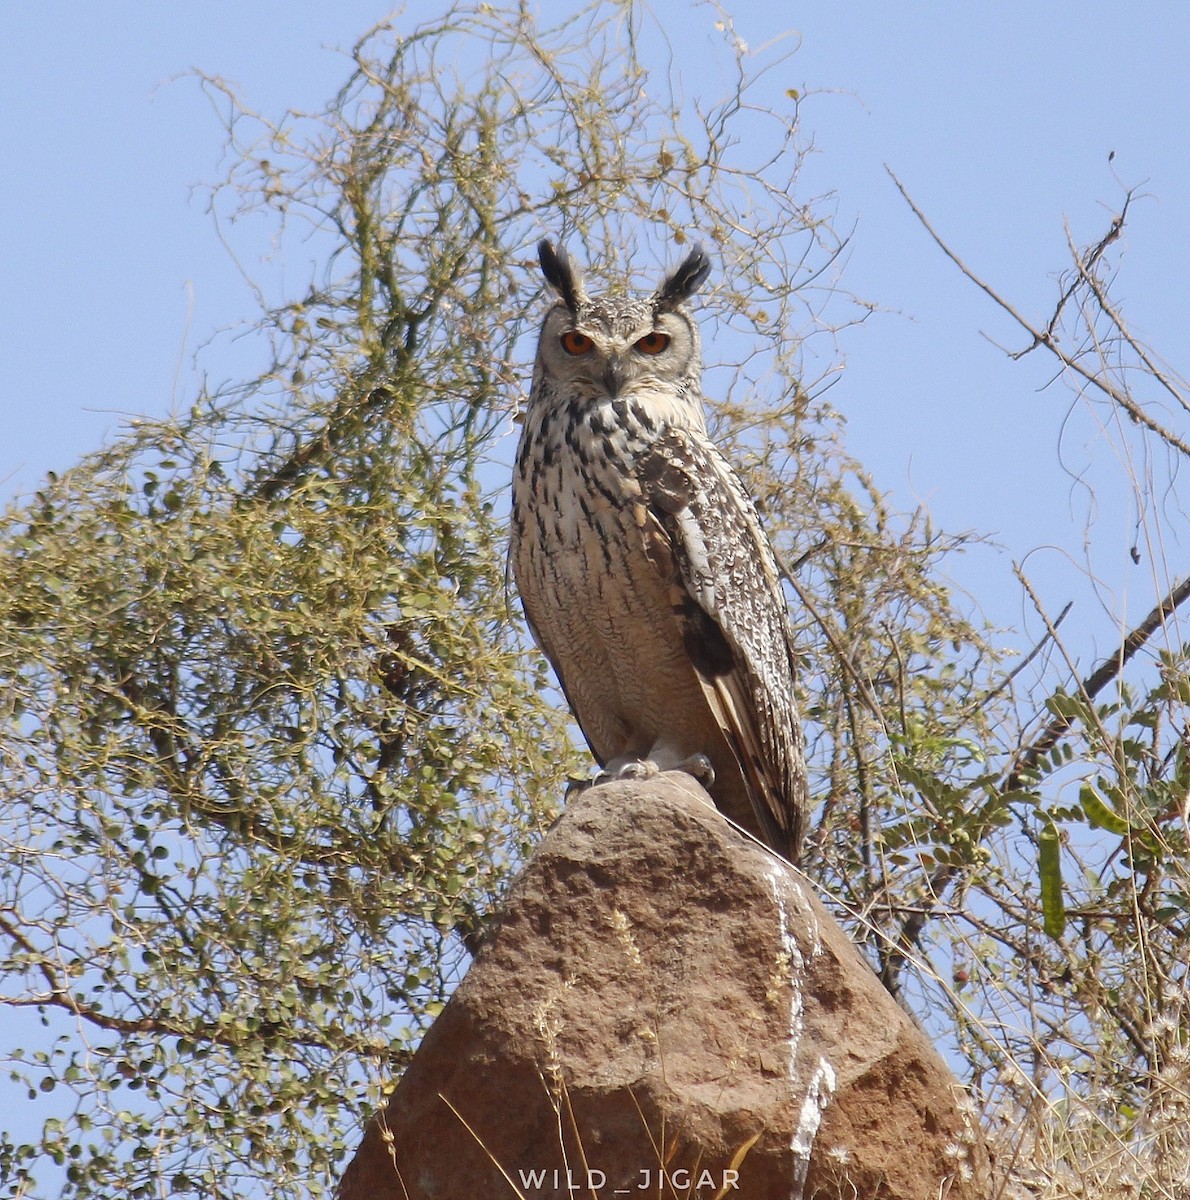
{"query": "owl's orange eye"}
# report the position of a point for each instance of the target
(574, 342)
(652, 343)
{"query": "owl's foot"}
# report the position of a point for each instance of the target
(698, 766)
(631, 768)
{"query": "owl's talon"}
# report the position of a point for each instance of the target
(699, 767)
(645, 768)
(634, 768)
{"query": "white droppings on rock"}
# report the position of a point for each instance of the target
(818, 1096)
(818, 1093)
(797, 969)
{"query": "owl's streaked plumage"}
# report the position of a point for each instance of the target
(641, 564)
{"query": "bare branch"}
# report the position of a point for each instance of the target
(1045, 337)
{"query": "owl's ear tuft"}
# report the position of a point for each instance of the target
(561, 274)
(684, 280)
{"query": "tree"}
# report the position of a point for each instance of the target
(275, 739)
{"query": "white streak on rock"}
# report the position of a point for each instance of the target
(797, 969)
(817, 1095)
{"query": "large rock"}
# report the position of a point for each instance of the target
(660, 994)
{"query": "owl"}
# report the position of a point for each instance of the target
(642, 568)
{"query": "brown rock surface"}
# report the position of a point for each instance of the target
(661, 994)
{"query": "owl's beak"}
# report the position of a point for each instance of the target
(613, 378)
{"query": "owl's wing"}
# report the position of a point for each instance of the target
(706, 535)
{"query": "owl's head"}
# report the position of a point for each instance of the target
(612, 345)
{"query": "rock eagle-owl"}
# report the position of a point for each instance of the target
(641, 564)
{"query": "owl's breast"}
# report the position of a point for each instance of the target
(597, 594)
(576, 475)
(577, 512)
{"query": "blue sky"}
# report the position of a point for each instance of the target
(998, 118)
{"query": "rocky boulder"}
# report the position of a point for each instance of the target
(664, 1008)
